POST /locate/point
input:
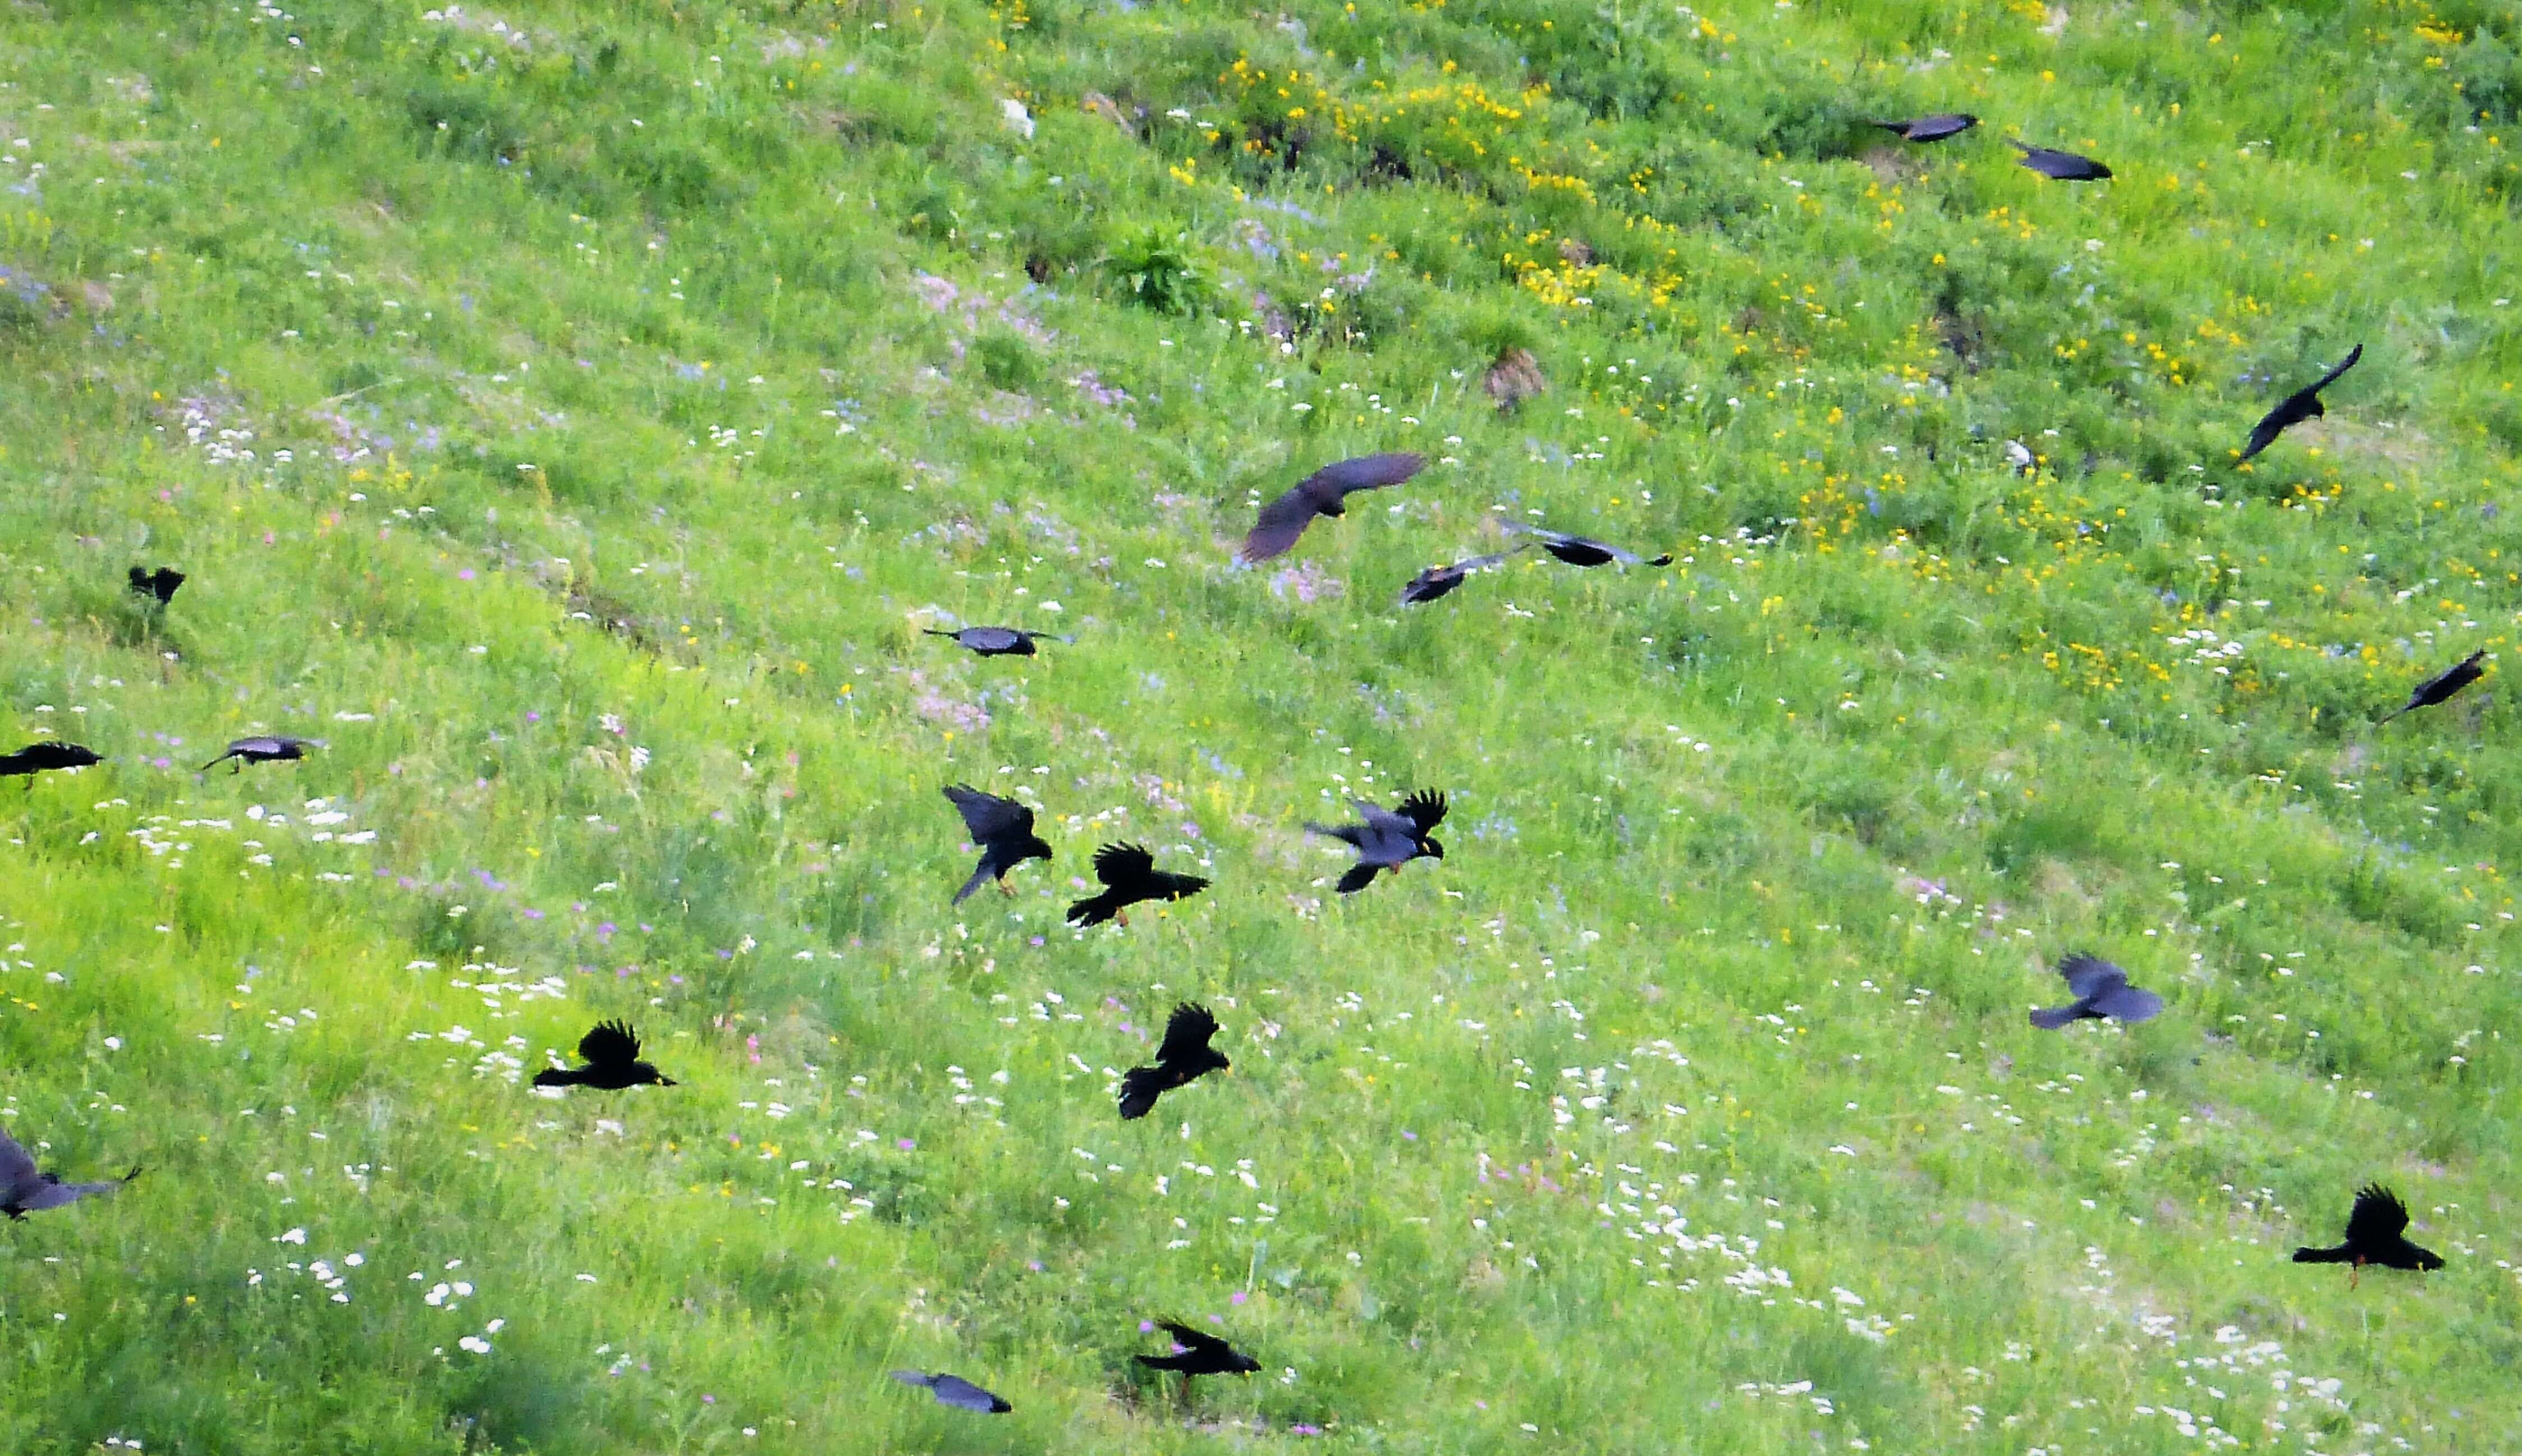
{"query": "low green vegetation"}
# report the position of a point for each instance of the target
(570, 414)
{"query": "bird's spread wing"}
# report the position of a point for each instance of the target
(1482, 563)
(55, 1195)
(962, 1394)
(2265, 432)
(1364, 473)
(1174, 886)
(2378, 1215)
(1359, 875)
(2129, 1003)
(991, 639)
(1383, 821)
(1192, 1340)
(1354, 836)
(2345, 365)
(1424, 809)
(1117, 864)
(1281, 522)
(988, 817)
(2089, 977)
(609, 1043)
(17, 1165)
(1188, 1033)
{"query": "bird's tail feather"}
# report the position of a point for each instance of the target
(980, 877)
(1358, 878)
(2338, 1255)
(936, 633)
(553, 1076)
(2052, 1018)
(1139, 1087)
(2394, 713)
(1091, 911)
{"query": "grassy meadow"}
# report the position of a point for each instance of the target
(570, 414)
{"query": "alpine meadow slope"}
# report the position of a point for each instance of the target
(571, 418)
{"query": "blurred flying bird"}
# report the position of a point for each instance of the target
(1389, 838)
(2374, 1235)
(259, 750)
(1195, 1353)
(45, 755)
(1321, 494)
(2101, 989)
(24, 1191)
(999, 642)
(159, 584)
(1436, 581)
(2292, 411)
(956, 1391)
(2435, 690)
(611, 1053)
(2063, 167)
(1130, 874)
(1580, 550)
(1183, 1058)
(1002, 828)
(1930, 128)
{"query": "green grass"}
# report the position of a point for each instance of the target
(574, 428)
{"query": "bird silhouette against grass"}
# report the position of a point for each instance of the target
(1183, 1057)
(1002, 828)
(1932, 128)
(1321, 494)
(998, 641)
(46, 757)
(1195, 1353)
(609, 1056)
(2101, 989)
(2376, 1230)
(1389, 838)
(2439, 688)
(1130, 876)
(2292, 411)
(2061, 166)
(261, 749)
(1584, 550)
(1436, 581)
(159, 586)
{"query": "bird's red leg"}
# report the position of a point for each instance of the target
(2355, 1272)
(1123, 917)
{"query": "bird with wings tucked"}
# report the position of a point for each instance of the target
(2439, 688)
(955, 1390)
(1195, 1353)
(260, 749)
(1584, 550)
(998, 641)
(1436, 581)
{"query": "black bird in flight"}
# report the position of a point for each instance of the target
(1582, 550)
(956, 1391)
(45, 755)
(1930, 128)
(998, 641)
(2438, 688)
(2101, 989)
(1002, 828)
(159, 584)
(24, 1191)
(611, 1053)
(1321, 494)
(1130, 874)
(259, 750)
(1436, 581)
(1195, 1353)
(2375, 1235)
(1185, 1057)
(2061, 166)
(2292, 411)
(1389, 838)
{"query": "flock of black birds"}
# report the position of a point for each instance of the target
(1383, 841)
